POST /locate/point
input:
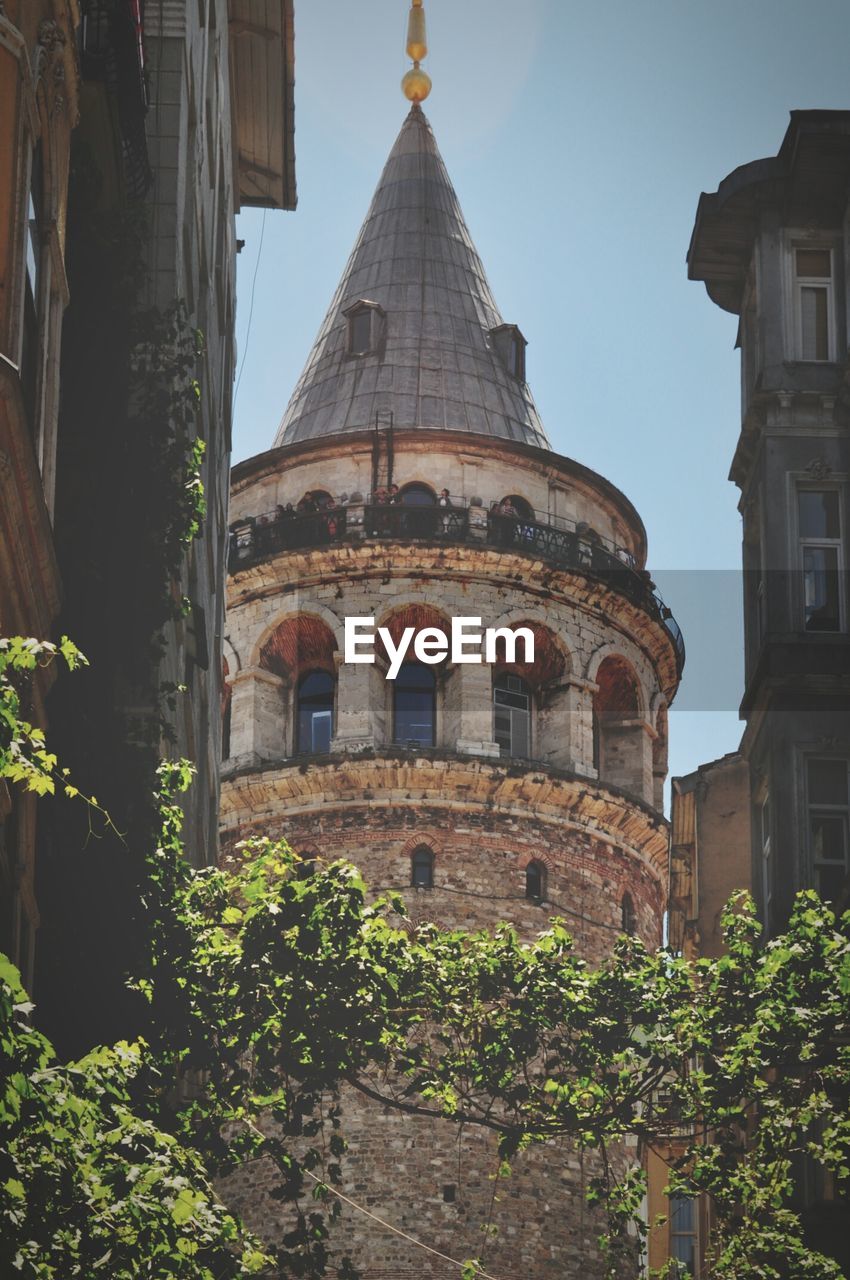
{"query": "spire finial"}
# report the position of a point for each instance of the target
(416, 85)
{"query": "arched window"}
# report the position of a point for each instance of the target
(418, 495)
(520, 506)
(535, 881)
(512, 716)
(628, 919)
(315, 712)
(415, 705)
(422, 868)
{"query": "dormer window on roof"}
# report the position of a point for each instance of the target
(365, 327)
(510, 344)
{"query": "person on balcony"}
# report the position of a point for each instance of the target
(445, 502)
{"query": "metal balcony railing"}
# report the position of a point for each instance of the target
(574, 547)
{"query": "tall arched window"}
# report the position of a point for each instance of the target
(512, 715)
(315, 712)
(535, 881)
(628, 919)
(414, 713)
(422, 868)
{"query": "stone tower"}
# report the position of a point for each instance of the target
(511, 791)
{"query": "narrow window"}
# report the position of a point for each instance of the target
(360, 332)
(829, 814)
(31, 345)
(813, 303)
(821, 554)
(226, 720)
(512, 716)
(315, 712)
(535, 881)
(628, 919)
(766, 859)
(415, 705)
(422, 868)
(683, 1234)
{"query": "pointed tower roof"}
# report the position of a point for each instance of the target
(436, 352)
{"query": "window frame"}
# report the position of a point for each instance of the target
(376, 315)
(321, 711)
(794, 286)
(398, 687)
(815, 808)
(536, 868)
(424, 855)
(526, 692)
(802, 543)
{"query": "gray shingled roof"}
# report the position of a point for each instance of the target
(436, 364)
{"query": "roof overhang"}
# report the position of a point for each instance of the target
(262, 57)
(807, 182)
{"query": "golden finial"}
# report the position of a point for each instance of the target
(416, 85)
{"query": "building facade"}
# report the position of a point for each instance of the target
(131, 135)
(38, 108)
(412, 482)
(772, 246)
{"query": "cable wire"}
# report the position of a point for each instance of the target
(250, 309)
(395, 1230)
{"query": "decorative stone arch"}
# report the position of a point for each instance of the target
(538, 619)
(231, 656)
(418, 614)
(433, 839)
(548, 678)
(599, 655)
(622, 738)
(264, 709)
(309, 608)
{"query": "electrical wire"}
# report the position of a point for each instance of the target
(480, 1275)
(250, 309)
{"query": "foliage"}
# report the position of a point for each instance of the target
(165, 398)
(88, 1185)
(269, 987)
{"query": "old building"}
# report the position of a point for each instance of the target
(131, 136)
(772, 245)
(38, 108)
(411, 481)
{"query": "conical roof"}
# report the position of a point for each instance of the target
(433, 360)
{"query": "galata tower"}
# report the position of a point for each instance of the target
(411, 482)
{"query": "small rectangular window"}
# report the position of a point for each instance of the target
(360, 332)
(814, 304)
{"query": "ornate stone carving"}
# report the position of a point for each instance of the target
(819, 469)
(50, 35)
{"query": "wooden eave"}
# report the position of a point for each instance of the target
(262, 90)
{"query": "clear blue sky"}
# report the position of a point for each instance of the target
(578, 137)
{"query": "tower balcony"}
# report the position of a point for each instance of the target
(576, 548)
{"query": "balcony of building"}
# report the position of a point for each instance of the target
(564, 544)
